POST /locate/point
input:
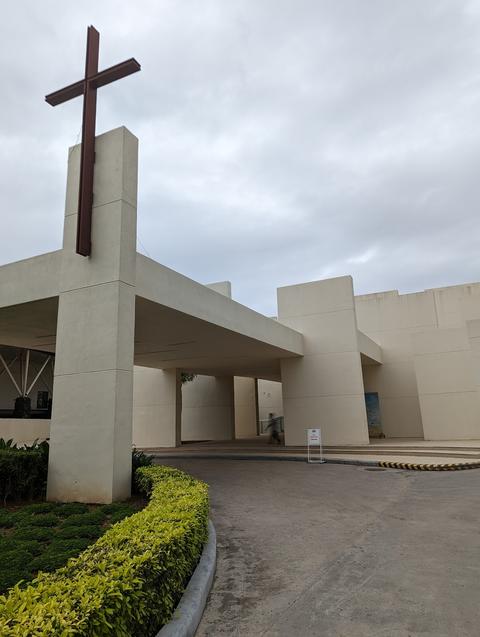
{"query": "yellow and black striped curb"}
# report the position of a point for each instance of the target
(430, 467)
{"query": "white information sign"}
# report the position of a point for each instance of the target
(314, 439)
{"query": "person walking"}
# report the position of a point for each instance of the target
(274, 426)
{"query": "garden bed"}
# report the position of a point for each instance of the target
(129, 581)
(43, 536)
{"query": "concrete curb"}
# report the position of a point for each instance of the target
(297, 458)
(189, 611)
(258, 456)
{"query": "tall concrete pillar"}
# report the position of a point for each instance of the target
(246, 407)
(208, 409)
(91, 428)
(157, 407)
(324, 388)
(257, 409)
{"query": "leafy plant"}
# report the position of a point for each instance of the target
(6, 519)
(187, 377)
(23, 471)
(47, 519)
(139, 459)
(88, 530)
(81, 519)
(52, 560)
(71, 508)
(40, 507)
(70, 545)
(8, 544)
(23, 474)
(37, 533)
(7, 444)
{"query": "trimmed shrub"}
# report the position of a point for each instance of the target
(91, 517)
(71, 508)
(90, 530)
(70, 545)
(49, 561)
(47, 519)
(139, 459)
(23, 471)
(39, 508)
(15, 557)
(118, 511)
(120, 515)
(13, 576)
(6, 519)
(8, 544)
(37, 533)
(23, 474)
(117, 507)
(127, 583)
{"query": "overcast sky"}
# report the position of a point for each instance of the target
(281, 141)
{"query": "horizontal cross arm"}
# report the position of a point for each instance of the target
(65, 94)
(115, 73)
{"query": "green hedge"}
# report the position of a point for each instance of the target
(23, 472)
(127, 583)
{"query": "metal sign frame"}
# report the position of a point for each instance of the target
(314, 440)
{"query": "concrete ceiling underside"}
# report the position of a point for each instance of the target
(30, 325)
(166, 338)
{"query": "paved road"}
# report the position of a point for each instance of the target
(342, 551)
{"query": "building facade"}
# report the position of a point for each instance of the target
(121, 328)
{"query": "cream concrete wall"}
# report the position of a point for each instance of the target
(91, 427)
(446, 384)
(208, 409)
(24, 430)
(245, 407)
(324, 388)
(157, 408)
(391, 319)
(423, 337)
(269, 398)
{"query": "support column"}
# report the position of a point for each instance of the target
(157, 407)
(324, 388)
(246, 407)
(257, 409)
(91, 428)
(208, 410)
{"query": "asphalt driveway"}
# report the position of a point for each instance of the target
(337, 550)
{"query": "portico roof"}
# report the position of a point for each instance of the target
(178, 322)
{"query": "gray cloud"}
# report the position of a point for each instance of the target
(281, 141)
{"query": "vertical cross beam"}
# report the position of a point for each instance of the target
(87, 87)
(87, 161)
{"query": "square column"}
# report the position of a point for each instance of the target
(324, 388)
(91, 428)
(208, 409)
(246, 407)
(157, 407)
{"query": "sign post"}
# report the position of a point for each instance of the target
(314, 440)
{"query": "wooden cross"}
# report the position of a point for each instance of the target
(88, 88)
